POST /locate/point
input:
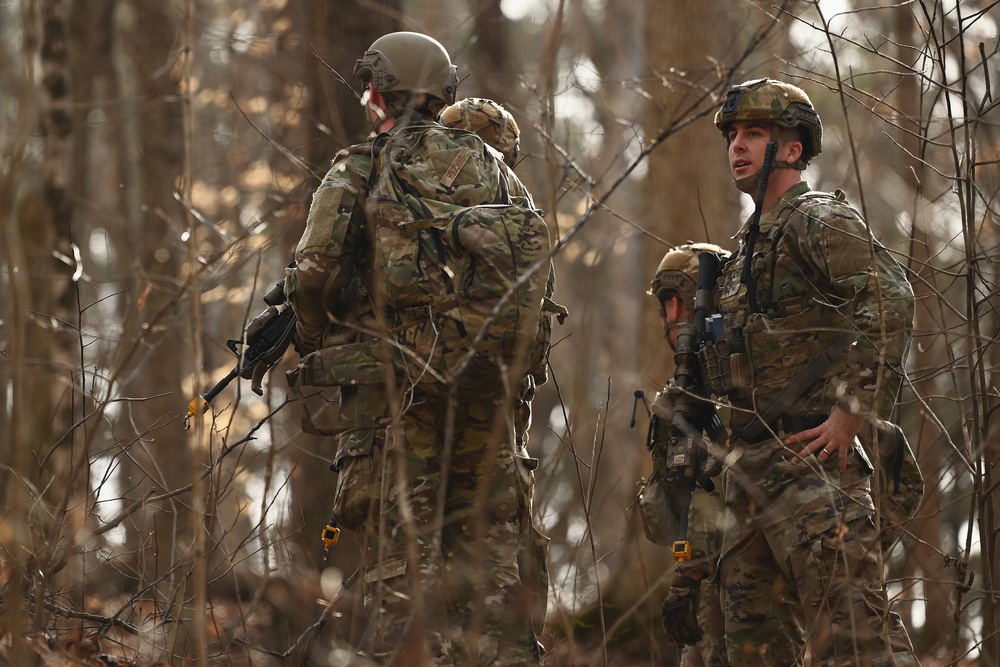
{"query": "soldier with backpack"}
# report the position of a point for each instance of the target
(816, 319)
(437, 241)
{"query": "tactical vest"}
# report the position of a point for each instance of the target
(797, 321)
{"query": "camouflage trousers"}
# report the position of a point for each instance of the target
(711, 650)
(800, 565)
(706, 519)
(454, 548)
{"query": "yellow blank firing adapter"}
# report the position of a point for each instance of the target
(331, 534)
(682, 551)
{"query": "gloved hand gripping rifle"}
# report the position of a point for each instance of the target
(264, 342)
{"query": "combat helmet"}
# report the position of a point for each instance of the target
(678, 271)
(409, 62)
(773, 102)
(489, 120)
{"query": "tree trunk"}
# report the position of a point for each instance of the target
(152, 356)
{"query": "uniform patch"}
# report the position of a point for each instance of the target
(322, 218)
(454, 169)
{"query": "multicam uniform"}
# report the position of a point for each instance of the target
(706, 518)
(331, 276)
(453, 573)
(457, 512)
(802, 559)
(703, 636)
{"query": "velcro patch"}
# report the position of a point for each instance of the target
(455, 168)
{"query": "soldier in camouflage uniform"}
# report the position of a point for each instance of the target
(810, 350)
(692, 614)
(442, 574)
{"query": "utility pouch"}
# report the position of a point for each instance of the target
(659, 508)
(724, 370)
(900, 482)
(714, 358)
(345, 365)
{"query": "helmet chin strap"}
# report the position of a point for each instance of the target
(366, 103)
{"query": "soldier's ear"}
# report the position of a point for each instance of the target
(791, 150)
(671, 308)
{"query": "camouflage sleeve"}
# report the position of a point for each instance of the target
(333, 239)
(875, 298)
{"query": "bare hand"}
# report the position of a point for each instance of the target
(835, 435)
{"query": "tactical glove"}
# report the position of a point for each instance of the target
(680, 611)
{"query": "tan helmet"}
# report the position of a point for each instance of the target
(409, 62)
(678, 271)
(489, 120)
(773, 102)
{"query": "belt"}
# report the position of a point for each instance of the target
(788, 424)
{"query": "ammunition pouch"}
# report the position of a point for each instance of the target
(723, 369)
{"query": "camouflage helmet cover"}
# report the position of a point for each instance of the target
(489, 120)
(678, 271)
(409, 62)
(773, 102)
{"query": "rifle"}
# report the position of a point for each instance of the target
(687, 457)
(265, 339)
(693, 416)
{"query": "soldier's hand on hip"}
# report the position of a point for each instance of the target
(834, 436)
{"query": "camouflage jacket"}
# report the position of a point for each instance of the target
(333, 271)
(334, 254)
(818, 275)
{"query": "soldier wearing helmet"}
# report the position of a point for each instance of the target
(783, 112)
(691, 613)
(674, 284)
(815, 331)
(405, 73)
(462, 574)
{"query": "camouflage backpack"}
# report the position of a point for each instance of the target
(462, 265)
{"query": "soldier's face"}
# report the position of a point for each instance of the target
(747, 141)
(673, 311)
